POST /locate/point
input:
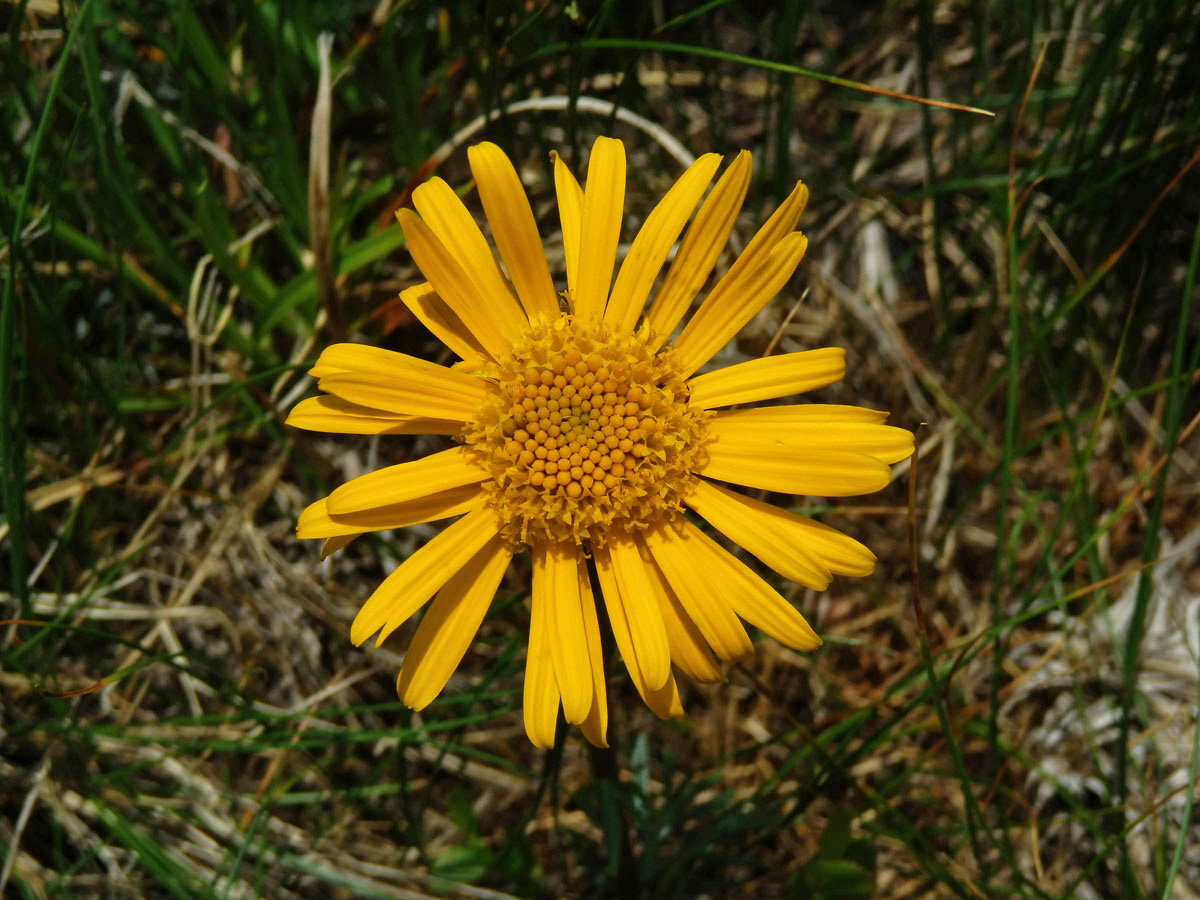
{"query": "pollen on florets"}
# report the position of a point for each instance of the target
(586, 430)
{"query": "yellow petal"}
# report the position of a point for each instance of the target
(570, 214)
(804, 414)
(315, 521)
(449, 219)
(735, 301)
(420, 576)
(541, 699)
(600, 227)
(684, 563)
(595, 726)
(433, 395)
(766, 461)
(556, 598)
(475, 366)
(767, 378)
(402, 384)
(815, 474)
(689, 652)
(768, 531)
(362, 359)
(496, 327)
(654, 241)
(338, 416)
(811, 428)
(749, 596)
(665, 700)
(755, 527)
(841, 553)
(513, 229)
(407, 481)
(449, 625)
(334, 544)
(432, 312)
(698, 252)
(646, 628)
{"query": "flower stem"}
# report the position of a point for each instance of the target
(606, 774)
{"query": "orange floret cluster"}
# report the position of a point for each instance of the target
(586, 430)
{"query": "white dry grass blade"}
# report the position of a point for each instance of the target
(318, 189)
(585, 104)
(14, 838)
(1086, 650)
(129, 89)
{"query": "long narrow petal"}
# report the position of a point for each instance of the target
(698, 252)
(432, 312)
(811, 428)
(600, 228)
(433, 395)
(366, 359)
(556, 595)
(841, 553)
(541, 698)
(686, 567)
(407, 481)
(427, 391)
(795, 470)
(595, 726)
(689, 652)
(804, 414)
(644, 617)
(454, 226)
(513, 228)
(570, 214)
(749, 596)
(735, 301)
(768, 378)
(398, 383)
(654, 241)
(665, 700)
(420, 576)
(316, 522)
(783, 540)
(494, 326)
(337, 416)
(449, 625)
(752, 526)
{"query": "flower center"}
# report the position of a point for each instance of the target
(586, 430)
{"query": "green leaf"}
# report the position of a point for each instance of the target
(834, 879)
(465, 863)
(303, 288)
(837, 835)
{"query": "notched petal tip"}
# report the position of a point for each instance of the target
(808, 645)
(360, 633)
(409, 696)
(597, 740)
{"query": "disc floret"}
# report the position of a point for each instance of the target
(586, 430)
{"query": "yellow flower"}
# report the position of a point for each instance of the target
(583, 434)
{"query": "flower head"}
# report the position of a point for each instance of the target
(583, 433)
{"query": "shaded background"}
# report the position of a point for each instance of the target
(182, 713)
